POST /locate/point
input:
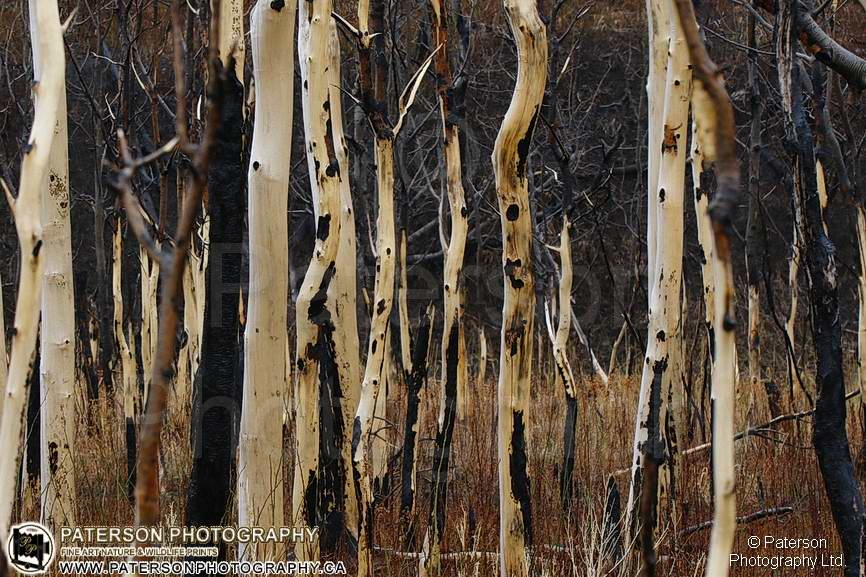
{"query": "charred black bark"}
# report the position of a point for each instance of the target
(33, 433)
(518, 464)
(755, 233)
(415, 381)
(332, 497)
(654, 458)
(829, 435)
(566, 481)
(444, 435)
(131, 453)
(214, 408)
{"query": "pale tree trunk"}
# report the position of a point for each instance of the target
(376, 369)
(564, 374)
(659, 39)
(654, 449)
(27, 212)
(658, 27)
(453, 367)
(128, 382)
(343, 293)
(714, 116)
(149, 314)
(372, 72)
(790, 321)
(57, 351)
(481, 378)
(4, 367)
(700, 180)
(335, 330)
(231, 40)
(260, 461)
(510, 158)
(193, 309)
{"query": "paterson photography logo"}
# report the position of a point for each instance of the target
(30, 548)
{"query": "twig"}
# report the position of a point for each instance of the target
(744, 520)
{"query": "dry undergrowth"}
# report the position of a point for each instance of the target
(774, 470)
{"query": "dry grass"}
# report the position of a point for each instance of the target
(770, 473)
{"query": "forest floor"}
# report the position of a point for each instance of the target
(775, 468)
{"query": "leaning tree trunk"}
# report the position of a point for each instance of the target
(665, 310)
(453, 368)
(27, 210)
(716, 130)
(510, 165)
(214, 409)
(57, 358)
(260, 462)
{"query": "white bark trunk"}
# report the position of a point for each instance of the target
(658, 12)
(149, 313)
(231, 41)
(260, 462)
(663, 336)
(343, 291)
(510, 158)
(453, 368)
(724, 381)
(57, 358)
(4, 355)
(314, 310)
(128, 383)
(27, 211)
(376, 366)
(714, 117)
(482, 358)
(705, 228)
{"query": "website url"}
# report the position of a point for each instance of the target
(202, 567)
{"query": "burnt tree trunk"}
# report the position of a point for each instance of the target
(416, 379)
(214, 407)
(829, 435)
